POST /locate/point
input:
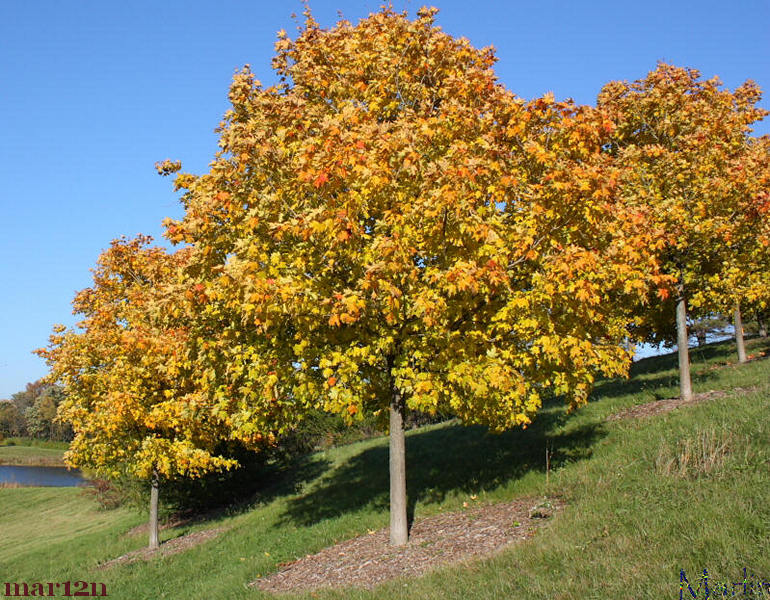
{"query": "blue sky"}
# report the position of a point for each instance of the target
(92, 94)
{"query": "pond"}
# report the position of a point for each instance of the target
(41, 476)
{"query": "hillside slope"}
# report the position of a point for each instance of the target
(644, 498)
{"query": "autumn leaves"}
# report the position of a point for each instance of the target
(688, 159)
(388, 229)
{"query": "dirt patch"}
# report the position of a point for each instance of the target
(668, 404)
(368, 560)
(168, 548)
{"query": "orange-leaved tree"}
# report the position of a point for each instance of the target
(388, 228)
(743, 280)
(676, 136)
(132, 391)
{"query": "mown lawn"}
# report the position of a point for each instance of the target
(31, 456)
(645, 498)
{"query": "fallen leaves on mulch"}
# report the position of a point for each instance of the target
(668, 404)
(168, 548)
(368, 560)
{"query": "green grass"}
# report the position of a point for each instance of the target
(31, 456)
(34, 442)
(645, 498)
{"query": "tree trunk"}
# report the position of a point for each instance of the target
(762, 326)
(685, 384)
(399, 533)
(739, 334)
(154, 511)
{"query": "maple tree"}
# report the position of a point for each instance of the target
(743, 281)
(388, 228)
(133, 397)
(677, 136)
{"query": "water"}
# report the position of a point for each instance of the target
(41, 476)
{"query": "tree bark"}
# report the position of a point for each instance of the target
(399, 533)
(685, 383)
(154, 511)
(739, 334)
(762, 326)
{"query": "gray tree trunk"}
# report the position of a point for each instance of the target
(154, 511)
(685, 383)
(399, 533)
(739, 334)
(762, 326)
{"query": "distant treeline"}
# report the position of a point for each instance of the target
(32, 413)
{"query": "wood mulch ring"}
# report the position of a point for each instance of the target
(369, 560)
(659, 407)
(174, 546)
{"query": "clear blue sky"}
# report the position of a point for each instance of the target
(93, 93)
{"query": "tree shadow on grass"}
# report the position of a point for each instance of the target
(657, 377)
(648, 388)
(715, 352)
(456, 459)
(239, 492)
(291, 478)
(443, 461)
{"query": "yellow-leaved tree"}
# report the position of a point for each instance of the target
(133, 395)
(389, 229)
(742, 282)
(677, 137)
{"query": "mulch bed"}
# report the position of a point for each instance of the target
(668, 404)
(368, 560)
(168, 548)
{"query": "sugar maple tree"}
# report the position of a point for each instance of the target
(677, 136)
(133, 395)
(743, 280)
(388, 228)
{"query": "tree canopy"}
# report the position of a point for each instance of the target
(131, 396)
(680, 139)
(388, 227)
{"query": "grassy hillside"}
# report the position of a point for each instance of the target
(29, 456)
(645, 498)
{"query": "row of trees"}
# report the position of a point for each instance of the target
(389, 229)
(32, 413)
(688, 156)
